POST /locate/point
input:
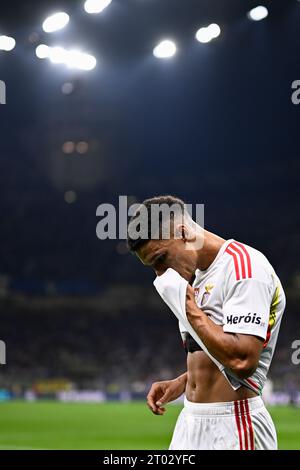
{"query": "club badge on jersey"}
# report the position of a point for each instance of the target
(206, 295)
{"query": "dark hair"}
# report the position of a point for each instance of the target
(135, 243)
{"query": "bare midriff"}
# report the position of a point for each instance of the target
(206, 384)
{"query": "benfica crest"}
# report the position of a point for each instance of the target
(205, 297)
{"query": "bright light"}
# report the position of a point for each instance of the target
(165, 50)
(7, 43)
(214, 29)
(209, 33)
(42, 51)
(258, 13)
(80, 60)
(96, 6)
(58, 55)
(55, 22)
(203, 35)
(73, 59)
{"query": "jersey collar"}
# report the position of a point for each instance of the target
(200, 273)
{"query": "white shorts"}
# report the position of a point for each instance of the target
(235, 425)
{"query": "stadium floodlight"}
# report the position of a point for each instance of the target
(96, 6)
(258, 13)
(58, 55)
(74, 59)
(56, 22)
(42, 51)
(7, 43)
(203, 35)
(165, 49)
(80, 60)
(214, 30)
(209, 33)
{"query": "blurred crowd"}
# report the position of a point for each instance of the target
(120, 341)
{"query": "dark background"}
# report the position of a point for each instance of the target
(213, 125)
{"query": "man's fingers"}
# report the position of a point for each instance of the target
(157, 410)
(164, 399)
(153, 407)
(151, 401)
(151, 404)
(153, 394)
(161, 410)
(154, 403)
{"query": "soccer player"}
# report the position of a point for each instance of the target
(234, 303)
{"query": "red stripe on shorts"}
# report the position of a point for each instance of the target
(252, 446)
(238, 424)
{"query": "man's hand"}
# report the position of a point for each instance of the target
(163, 392)
(238, 352)
(190, 303)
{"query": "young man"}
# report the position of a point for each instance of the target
(230, 315)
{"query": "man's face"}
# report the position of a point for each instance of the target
(163, 254)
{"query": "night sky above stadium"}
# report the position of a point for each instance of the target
(214, 125)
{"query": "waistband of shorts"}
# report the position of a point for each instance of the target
(238, 407)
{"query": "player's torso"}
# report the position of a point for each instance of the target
(205, 381)
(211, 288)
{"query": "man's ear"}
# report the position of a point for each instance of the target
(185, 233)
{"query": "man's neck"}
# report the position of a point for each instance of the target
(209, 251)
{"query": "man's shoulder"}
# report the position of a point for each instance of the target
(242, 262)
